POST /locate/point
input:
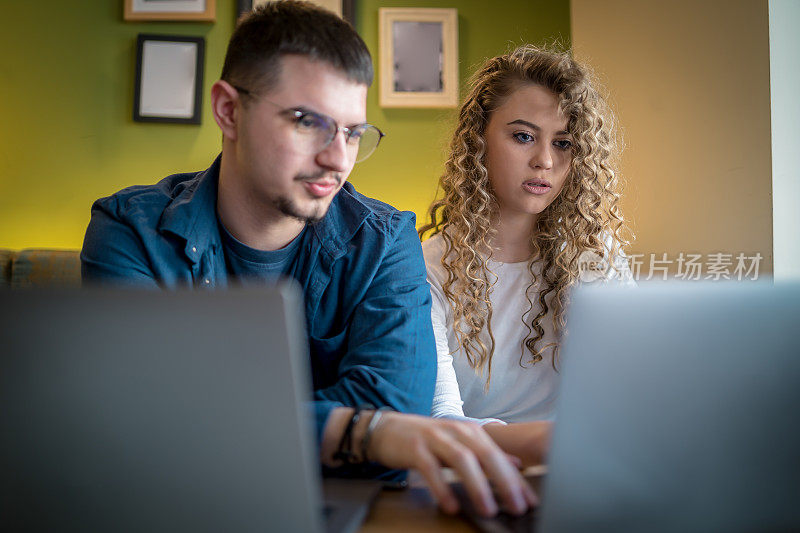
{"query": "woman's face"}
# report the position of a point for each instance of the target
(528, 151)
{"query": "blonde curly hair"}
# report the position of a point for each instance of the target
(584, 214)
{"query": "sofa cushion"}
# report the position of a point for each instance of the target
(46, 268)
(6, 260)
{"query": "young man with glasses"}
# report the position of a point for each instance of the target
(291, 104)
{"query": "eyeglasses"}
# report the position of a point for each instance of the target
(316, 131)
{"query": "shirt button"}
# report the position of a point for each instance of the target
(194, 249)
(207, 281)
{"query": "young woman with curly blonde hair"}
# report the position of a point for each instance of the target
(529, 192)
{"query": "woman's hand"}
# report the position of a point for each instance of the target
(529, 441)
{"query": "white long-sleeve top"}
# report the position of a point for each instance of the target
(515, 393)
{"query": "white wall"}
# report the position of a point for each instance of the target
(784, 74)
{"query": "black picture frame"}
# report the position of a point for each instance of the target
(197, 104)
(243, 6)
(348, 9)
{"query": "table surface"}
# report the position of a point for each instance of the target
(397, 510)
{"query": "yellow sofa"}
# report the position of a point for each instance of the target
(35, 268)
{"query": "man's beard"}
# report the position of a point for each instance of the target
(289, 208)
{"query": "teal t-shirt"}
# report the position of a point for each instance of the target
(249, 266)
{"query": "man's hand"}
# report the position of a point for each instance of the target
(427, 444)
(529, 441)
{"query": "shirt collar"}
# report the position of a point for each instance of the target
(192, 213)
(344, 217)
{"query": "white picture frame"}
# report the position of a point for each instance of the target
(418, 64)
(177, 10)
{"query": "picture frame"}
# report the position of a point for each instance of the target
(175, 10)
(344, 8)
(169, 79)
(418, 57)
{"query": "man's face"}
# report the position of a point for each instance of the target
(279, 166)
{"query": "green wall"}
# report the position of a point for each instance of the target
(66, 100)
(67, 96)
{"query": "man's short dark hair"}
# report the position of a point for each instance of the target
(276, 29)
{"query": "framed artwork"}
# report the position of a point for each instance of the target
(344, 8)
(169, 79)
(418, 57)
(193, 10)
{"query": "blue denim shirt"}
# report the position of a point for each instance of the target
(367, 301)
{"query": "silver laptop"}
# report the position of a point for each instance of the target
(156, 411)
(679, 411)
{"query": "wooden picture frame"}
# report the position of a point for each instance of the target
(344, 8)
(169, 79)
(418, 57)
(177, 10)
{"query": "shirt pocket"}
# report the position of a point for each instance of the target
(326, 356)
(329, 346)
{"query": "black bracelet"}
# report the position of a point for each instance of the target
(345, 451)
